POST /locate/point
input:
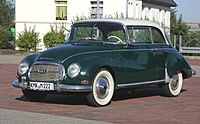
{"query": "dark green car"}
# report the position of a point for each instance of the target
(102, 56)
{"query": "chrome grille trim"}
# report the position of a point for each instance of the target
(46, 71)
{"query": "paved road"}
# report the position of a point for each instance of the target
(146, 106)
(19, 117)
(11, 59)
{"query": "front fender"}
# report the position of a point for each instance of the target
(30, 59)
(91, 65)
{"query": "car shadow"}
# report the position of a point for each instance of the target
(81, 99)
(137, 93)
(60, 99)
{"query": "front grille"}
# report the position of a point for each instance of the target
(46, 72)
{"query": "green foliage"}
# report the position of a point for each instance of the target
(28, 39)
(55, 37)
(5, 37)
(192, 40)
(6, 14)
(80, 18)
(6, 22)
(178, 27)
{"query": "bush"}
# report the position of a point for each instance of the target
(192, 40)
(28, 39)
(5, 37)
(55, 37)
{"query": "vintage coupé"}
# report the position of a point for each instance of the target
(102, 56)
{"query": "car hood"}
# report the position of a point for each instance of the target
(59, 54)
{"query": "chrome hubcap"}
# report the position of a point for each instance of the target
(174, 82)
(102, 87)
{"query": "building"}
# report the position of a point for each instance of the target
(194, 27)
(43, 13)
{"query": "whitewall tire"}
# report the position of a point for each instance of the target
(173, 88)
(102, 89)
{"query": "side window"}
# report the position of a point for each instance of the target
(157, 36)
(140, 34)
(87, 33)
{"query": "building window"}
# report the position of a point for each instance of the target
(61, 9)
(94, 9)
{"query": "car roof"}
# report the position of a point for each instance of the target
(126, 22)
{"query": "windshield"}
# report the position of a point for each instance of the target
(97, 32)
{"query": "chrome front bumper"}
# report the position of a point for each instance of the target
(59, 87)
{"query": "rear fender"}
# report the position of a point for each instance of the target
(174, 63)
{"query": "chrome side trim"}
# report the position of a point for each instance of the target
(74, 88)
(139, 83)
(59, 87)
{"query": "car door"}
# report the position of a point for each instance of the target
(140, 60)
(162, 50)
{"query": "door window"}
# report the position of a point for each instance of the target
(157, 36)
(140, 34)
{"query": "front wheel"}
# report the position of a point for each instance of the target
(173, 89)
(34, 96)
(103, 89)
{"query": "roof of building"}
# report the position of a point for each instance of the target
(169, 3)
(127, 22)
(194, 27)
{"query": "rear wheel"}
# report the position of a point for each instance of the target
(174, 87)
(103, 89)
(34, 96)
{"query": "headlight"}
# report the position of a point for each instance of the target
(73, 70)
(22, 68)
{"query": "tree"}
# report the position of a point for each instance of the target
(6, 14)
(193, 40)
(5, 35)
(6, 22)
(178, 27)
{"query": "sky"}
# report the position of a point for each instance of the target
(190, 10)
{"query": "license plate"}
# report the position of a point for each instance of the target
(41, 86)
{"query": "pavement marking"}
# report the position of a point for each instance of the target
(19, 117)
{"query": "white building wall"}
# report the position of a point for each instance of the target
(38, 14)
(78, 8)
(157, 13)
(42, 13)
(113, 7)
